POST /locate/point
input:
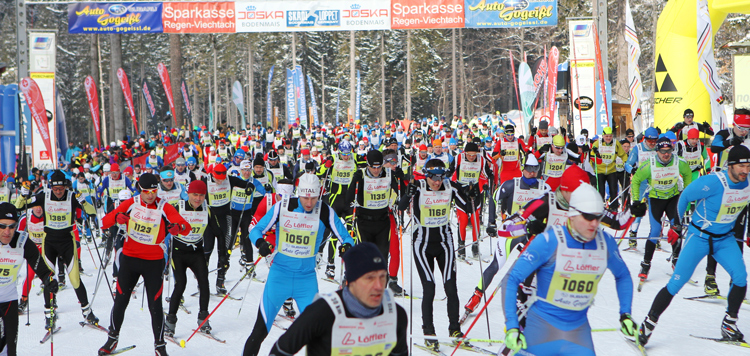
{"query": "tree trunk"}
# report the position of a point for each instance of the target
(453, 69)
(250, 86)
(175, 60)
(216, 87)
(352, 76)
(408, 75)
(116, 95)
(463, 74)
(382, 78)
(621, 89)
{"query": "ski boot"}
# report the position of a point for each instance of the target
(658, 246)
(474, 300)
(492, 230)
(431, 343)
(644, 332)
(110, 345)
(22, 304)
(461, 251)
(88, 314)
(220, 289)
(458, 334)
(244, 263)
(80, 269)
(475, 251)
(633, 244)
(160, 348)
(206, 327)
(395, 288)
(645, 268)
(170, 325)
(729, 330)
(49, 319)
(289, 309)
(330, 271)
(709, 287)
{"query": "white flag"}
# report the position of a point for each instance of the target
(707, 66)
(634, 72)
(237, 99)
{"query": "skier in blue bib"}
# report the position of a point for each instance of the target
(569, 261)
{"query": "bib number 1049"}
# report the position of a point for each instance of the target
(578, 286)
(297, 239)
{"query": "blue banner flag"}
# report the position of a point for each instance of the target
(602, 120)
(358, 100)
(299, 83)
(269, 108)
(122, 17)
(312, 100)
(291, 111)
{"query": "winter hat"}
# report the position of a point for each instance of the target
(361, 259)
(57, 178)
(651, 133)
(258, 161)
(738, 154)
(285, 187)
(148, 181)
(580, 140)
(128, 170)
(219, 171)
(124, 195)
(374, 158)
(531, 163)
(558, 141)
(308, 186)
(197, 187)
(246, 165)
(663, 142)
(8, 211)
(114, 168)
(422, 148)
(273, 155)
(742, 120)
(607, 131)
(167, 174)
(305, 151)
(693, 133)
(585, 199)
(471, 147)
(543, 125)
(573, 177)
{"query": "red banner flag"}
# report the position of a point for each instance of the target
(125, 85)
(36, 103)
(554, 55)
(93, 100)
(164, 76)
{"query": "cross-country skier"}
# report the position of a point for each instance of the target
(300, 224)
(557, 323)
(344, 321)
(720, 198)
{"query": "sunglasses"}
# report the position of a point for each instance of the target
(435, 176)
(376, 166)
(689, 115)
(651, 140)
(11, 226)
(590, 217)
(559, 148)
(391, 160)
(630, 136)
(743, 129)
(167, 180)
(665, 151)
(149, 191)
(345, 154)
(532, 169)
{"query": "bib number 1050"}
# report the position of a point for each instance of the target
(297, 239)
(578, 286)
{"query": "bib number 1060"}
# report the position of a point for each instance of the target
(297, 239)
(578, 286)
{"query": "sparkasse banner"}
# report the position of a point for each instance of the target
(336, 15)
(417, 14)
(198, 17)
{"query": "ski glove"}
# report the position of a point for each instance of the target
(81, 199)
(52, 286)
(674, 234)
(627, 325)
(268, 188)
(25, 191)
(515, 340)
(264, 248)
(638, 209)
(122, 218)
(343, 248)
(249, 189)
(174, 229)
(412, 189)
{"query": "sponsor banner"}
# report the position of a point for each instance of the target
(312, 101)
(238, 99)
(43, 154)
(198, 17)
(338, 100)
(603, 107)
(149, 100)
(125, 86)
(123, 17)
(92, 97)
(416, 14)
(291, 100)
(62, 133)
(171, 153)
(554, 55)
(299, 90)
(186, 99)
(328, 15)
(741, 69)
(526, 87)
(582, 74)
(510, 13)
(269, 106)
(164, 76)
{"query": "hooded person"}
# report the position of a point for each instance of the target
(300, 223)
(559, 320)
(362, 308)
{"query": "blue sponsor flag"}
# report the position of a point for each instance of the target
(269, 108)
(602, 120)
(338, 100)
(291, 108)
(357, 101)
(122, 17)
(312, 100)
(299, 84)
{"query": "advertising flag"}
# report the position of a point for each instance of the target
(238, 99)
(149, 100)
(554, 55)
(186, 99)
(291, 99)
(707, 66)
(93, 100)
(299, 88)
(634, 72)
(338, 99)
(312, 100)
(167, 84)
(269, 106)
(125, 86)
(526, 86)
(36, 103)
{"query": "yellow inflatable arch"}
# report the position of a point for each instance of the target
(677, 85)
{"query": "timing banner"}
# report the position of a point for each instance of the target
(494, 14)
(124, 17)
(323, 15)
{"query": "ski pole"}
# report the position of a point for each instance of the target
(52, 329)
(481, 268)
(249, 271)
(103, 269)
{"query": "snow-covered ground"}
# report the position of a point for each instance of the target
(672, 336)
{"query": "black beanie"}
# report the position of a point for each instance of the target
(57, 178)
(738, 154)
(471, 147)
(8, 211)
(374, 158)
(258, 161)
(361, 259)
(148, 181)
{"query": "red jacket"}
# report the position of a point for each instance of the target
(170, 215)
